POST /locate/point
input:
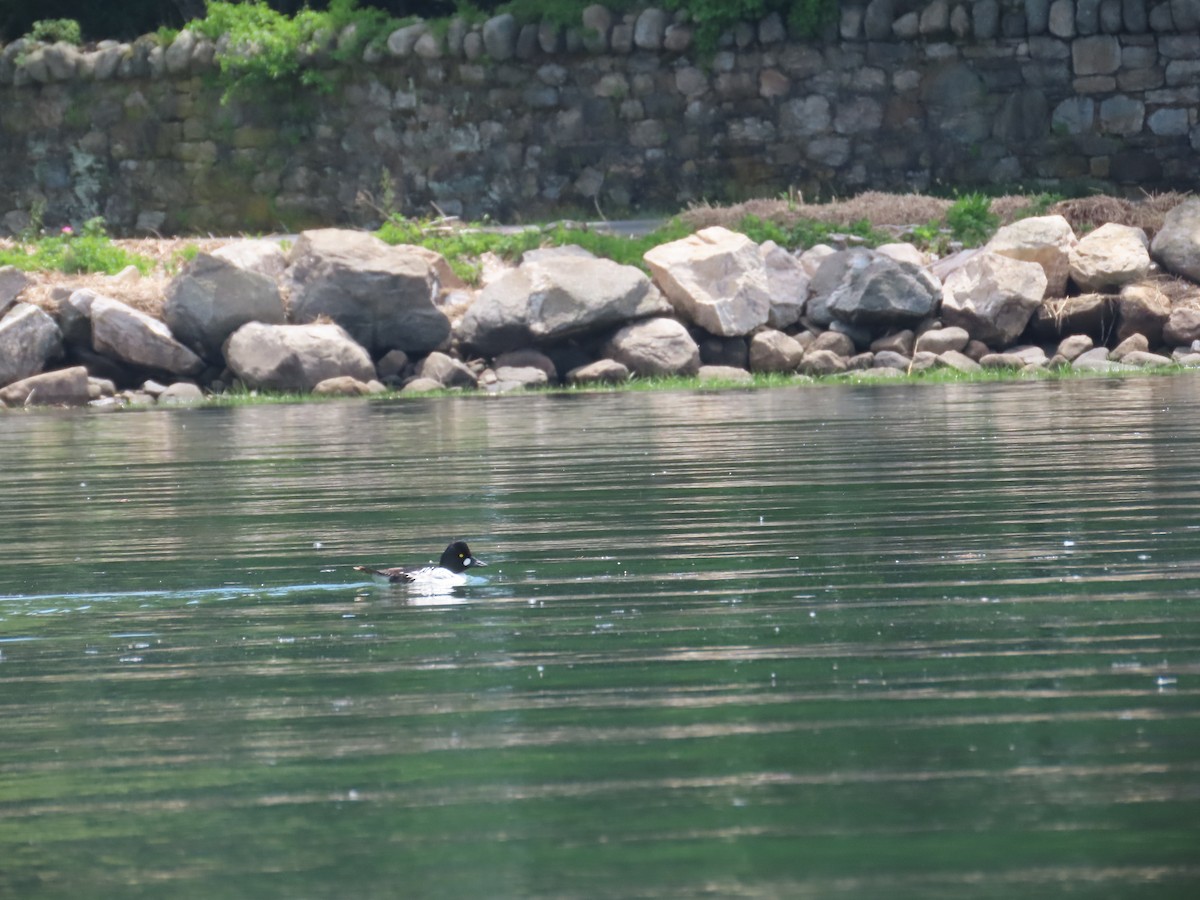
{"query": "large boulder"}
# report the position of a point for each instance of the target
(219, 292)
(1177, 244)
(62, 387)
(787, 285)
(553, 297)
(295, 357)
(382, 295)
(715, 278)
(774, 351)
(1091, 314)
(1045, 240)
(1142, 309)
(12, 282)
(878, 292)
(831, 269)
(655, 347)
(1109, 257)
(29, 339)
(1182, 328)
(134, 338)
(992, 297)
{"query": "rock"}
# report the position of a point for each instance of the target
(1001, 361)
(217, 293)
(1095, 360)
(1110, 256)
(923, 361)
(1146, 360)
(960, 362)
(902, 252)
(1045, 240)
(550, 298)
(181, 393)
(382, 296)
(877, 292)
(787, 285)
(29, 340)
(655, 347)
(724, 373)
(1177, 244)
(1031, 354)
(513, 378)
(392, 364)
(835, 341)
(75, 318)
(422, 386)
(1136, 343)
(345, 386)
(1090, 314)
(527, 358)
(1181, 329)
(12, 282)
(1142, 309)
(715, 278)
(137, 339)
(1069, 348)
(831, 271)
(977, 350)
(774, 351)
(295, 357)
(861, 361)
(500, 37)
(63, 387)
(902, 342)
(890, 359)
(602, 371)
(993, 296)
(940, 340)
(446, 370)
(822, 362)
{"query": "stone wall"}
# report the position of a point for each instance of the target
(622, 115)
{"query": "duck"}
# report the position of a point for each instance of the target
(456, 559)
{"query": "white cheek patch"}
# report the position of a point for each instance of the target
(468, 561)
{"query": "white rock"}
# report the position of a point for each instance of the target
(993, 296)
(1110, 256)
(1046, 240)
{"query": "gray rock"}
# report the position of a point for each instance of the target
(1177, 244)
(1070, 348)
(879, 292)
(132, 337)
(1135, 343)
(181, 393)
(500, 37)
(178, 57)
(1145, 360)
(890, 359)
(392, 364)
(724, 373)
(774, 351)
(383, 296)
(960, 362)
(649, 28)
(1046, 240)
(1181, 329)
(923, 361)
(1001, 361)
(551, 298)
(716, 279)
(834, 341)
(446, 370)
(902, 342)
(514, 378)
(422, 386)
(941, 340)
(1110, 256)
(1095, 360)
(993, 296)
(787, 285)
(218, 293)
(12, 282)
(655, 347)
(1142, 309)
(346, 386)
(602, 371)
(527, 358)
(822, 362)
(63, 387)
(29, 340)
(295, 357)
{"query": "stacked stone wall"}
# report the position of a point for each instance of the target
(623, 115)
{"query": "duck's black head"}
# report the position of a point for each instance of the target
(458, 558)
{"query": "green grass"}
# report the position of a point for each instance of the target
(90, 250)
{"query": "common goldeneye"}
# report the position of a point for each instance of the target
(448, 573)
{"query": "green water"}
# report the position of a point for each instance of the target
(899, 641)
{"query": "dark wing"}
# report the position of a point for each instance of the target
(394, 575)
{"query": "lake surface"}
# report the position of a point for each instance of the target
(895, 641)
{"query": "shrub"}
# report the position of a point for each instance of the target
(51, 31)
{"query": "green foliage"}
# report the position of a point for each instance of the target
(462, 247)
(89, 251)
(559, 12)
(805, 18)
(52, 31)
(806, 233)
(971, 220)
(267, 48)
